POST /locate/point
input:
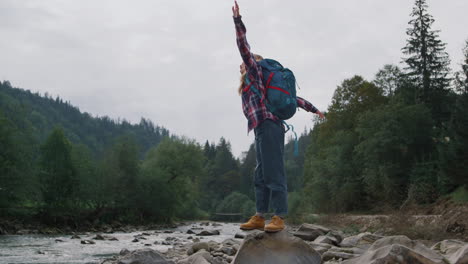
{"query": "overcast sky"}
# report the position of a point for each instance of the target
(176, 61)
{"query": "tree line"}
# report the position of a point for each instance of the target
(395, 140)
(400, 138)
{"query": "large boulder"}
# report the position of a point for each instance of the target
(310, 232)
(275, 248)
(460, 256)
(363, 240)
(201, 257)
(398, 250)
(139, 256)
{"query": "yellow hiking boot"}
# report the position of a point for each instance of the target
(255, 222)
(276, 224)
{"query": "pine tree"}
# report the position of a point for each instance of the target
(58, 175)
(427, 61)
(461, 77)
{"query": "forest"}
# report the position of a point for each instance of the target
(397, 139)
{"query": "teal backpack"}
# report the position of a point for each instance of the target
(280, 85)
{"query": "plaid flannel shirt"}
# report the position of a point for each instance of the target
(252, 104)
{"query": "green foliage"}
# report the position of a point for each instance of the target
(332, 175)
(57, 174)
(460, 195)
(235, 203)
(223, 175)
(428, 63)
(391, 139)
(169, 180)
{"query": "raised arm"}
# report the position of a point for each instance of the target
(242, 44)
(309, 107)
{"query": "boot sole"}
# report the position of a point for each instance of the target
(247, 229)
(273, 231)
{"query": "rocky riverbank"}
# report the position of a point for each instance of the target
(307, 244)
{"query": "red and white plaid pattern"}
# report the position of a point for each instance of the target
(252, 104)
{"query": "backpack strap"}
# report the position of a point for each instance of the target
(296, 142)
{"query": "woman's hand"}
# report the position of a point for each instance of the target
(235, 10)
(322, 116)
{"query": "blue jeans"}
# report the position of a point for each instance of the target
(270, 179)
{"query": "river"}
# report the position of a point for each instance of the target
(42, 249)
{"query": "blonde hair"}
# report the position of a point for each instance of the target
(242, 78)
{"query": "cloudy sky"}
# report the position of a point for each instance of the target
(176, 61)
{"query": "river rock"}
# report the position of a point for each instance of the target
(88, 242)
(239, 235)
(275, 248)
(363, 240)
(75, 237)
(124, 251)
(230, 251)
(310, 232)
(198, 246)
(319, 247)
(327, 240)
(99, 237)
(190, 231)
(139, 256)
(208, 233)
(397, 249)
(201, 257)
(460, 256)
(448, 247)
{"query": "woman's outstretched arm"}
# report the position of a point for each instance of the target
(244, 47)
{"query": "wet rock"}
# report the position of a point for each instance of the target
(124, 251)
(208, 233)
(112, 239)
(190, 231)
(135, 240)
(58, 240)
(201, 257)
(239, 235)
(41, 252)
(88, 242)
(145, 234)
(216, 224)
(460, 256)
(198, 246)
(229, 251)
(99, 237)
(139, 256)
(397, 249)
(319, 247)
(448, 247)
(147, 245)
(165, 243)
(75, 237)
(310, 232)
(330, 255)
(275, 248)
(326, 240)
(168, 232)
(363, 240)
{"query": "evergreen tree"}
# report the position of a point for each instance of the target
(461, 77)
(388, 79)
(57, 174)
(427, 62)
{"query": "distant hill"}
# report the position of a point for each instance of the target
(39, 114)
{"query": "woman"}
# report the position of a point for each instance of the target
(270, 179)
